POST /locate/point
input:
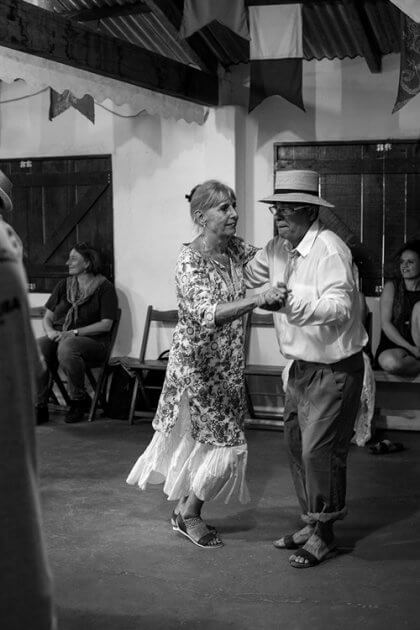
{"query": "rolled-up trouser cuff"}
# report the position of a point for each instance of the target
(323, 517)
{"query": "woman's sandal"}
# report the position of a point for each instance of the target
(386, 446)
(295, 540)
(197, 531)
(175, 526)
(316, 552)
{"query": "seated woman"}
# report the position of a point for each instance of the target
(77, 324)
(399, 346)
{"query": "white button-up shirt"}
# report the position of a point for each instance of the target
(321, 320)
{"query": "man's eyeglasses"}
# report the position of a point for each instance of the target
(285, 212)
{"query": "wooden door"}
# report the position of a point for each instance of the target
(57, 203)
(375, 187)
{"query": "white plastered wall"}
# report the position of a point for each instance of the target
(344, 102)
(155, 161)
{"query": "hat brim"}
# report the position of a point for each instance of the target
(297, 198)
(5, 201)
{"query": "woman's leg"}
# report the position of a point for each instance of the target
(48, 350)
(399, 361)
(73, 353)
(192, 506)
(415, 324)
(191, 524)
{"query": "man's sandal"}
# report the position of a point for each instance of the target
(197, 531)
(175, 526)
(295, 540)
(313, 553)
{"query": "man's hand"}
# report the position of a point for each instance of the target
(275, 298)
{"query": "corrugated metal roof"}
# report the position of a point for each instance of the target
(146, 30)
(331, 29)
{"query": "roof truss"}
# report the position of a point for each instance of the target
(43, 33)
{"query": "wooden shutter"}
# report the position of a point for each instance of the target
(58, 202)
(375, 187)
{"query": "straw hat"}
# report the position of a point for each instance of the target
(5, 192)
(297, 186)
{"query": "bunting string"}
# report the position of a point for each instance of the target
(21, 98)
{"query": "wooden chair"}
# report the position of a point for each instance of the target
(142, 367)
(255, 320)
(97, 382)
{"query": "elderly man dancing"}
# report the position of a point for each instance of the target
(320, 328)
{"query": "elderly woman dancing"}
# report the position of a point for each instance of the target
(199, 448)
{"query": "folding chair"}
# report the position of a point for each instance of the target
(252, 321)
(97, 383)
(141, 367)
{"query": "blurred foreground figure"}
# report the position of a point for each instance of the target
(25, 582)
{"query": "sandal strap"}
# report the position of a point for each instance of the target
(196, 527)
(311, 560)
(207, 538)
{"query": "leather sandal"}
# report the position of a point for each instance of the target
(175, 527)
(313, 553)
(289, 542)
(197, 531)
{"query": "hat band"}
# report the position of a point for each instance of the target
(286, 191)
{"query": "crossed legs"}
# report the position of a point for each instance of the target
(399, 360)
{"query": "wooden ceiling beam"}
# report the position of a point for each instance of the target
(42, 33)
(97, 13)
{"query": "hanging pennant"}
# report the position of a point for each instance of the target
(199, 13)
(60, 102)
(409, 84)
(276, 53)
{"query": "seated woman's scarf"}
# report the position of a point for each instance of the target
(77, 296)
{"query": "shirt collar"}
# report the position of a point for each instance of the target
(305, 245)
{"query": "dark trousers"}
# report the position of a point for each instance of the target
(320, 410)
(71, 355)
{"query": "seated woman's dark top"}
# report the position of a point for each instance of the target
(102, 304)
(402, 309)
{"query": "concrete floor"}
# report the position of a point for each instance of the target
(118, 565)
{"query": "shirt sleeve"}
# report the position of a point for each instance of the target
(195, 291)
(108, 302)
(56, 296)
(335, 288)
(257, 270)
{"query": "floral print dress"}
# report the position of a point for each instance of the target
(199, 443)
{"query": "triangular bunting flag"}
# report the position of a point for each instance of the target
(409, 7)
(276, 53)
(409, 84)
(60, 102)
(199, 13)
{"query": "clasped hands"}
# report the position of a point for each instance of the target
(58, 335)
(274, 298)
